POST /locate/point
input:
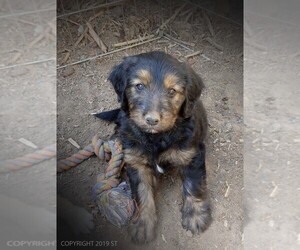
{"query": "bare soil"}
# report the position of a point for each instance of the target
(83, 89)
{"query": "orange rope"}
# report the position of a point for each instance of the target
(27, 160)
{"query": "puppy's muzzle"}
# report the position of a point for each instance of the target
(152, 118)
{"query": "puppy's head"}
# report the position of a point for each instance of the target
(156, 89)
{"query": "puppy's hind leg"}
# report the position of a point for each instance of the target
(196, 214)
(142, 181)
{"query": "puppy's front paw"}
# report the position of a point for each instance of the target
(142, 230)
(196, 215)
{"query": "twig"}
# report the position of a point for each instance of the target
(133, 41)
(255, 45)
(81, 37)
(16, 57)
(164, 24)
(193, 54)
(213, 43)
(28, 143)
(95, 16)
(74, 143)
(179, 41)
(106, 5)
(28, 63)
(214, 13)
(259, 167)
(186, 12)
(39, 38)
(87, 36)
(71, 21)
(209, 25)
(27, 12)
(188, 16)
(24, 21)
(97, 39)
(109, 53)
(227, 190)
(65, 59)
(274, 191)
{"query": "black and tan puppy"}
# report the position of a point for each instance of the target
(161, 124)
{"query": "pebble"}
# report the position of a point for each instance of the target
(189, 233)
(225, 223)
(68, 71)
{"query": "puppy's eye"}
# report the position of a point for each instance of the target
(171, 92)
(140, 86)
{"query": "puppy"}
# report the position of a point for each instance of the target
(161, 124)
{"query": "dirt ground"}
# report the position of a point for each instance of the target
(83, 89)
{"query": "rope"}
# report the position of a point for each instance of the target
(98, 147)
(112, 197)
(27, 160)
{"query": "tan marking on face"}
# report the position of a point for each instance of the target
(177, 102)
(168, 115)
(178, 157)
(170, 81)
(144, 76)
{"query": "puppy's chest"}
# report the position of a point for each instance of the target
(163, 156)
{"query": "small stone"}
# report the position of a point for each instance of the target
(189, 233)
(225, 223)
(68, 71)
(275, 127)
(80, 30)
(271, 223)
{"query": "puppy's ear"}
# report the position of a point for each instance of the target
(119, 78)
(194, 87)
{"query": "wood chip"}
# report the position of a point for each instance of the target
(66, 57)
(164, 239)
(28, 143)
(259, 167)
(164, 24)
(95, 16)
(274, 191)
(96, 37)
(178, 41)
(74, 143)
(209, 25)
(188, 17)
(71, 21)
(80, 37)
(213, 43)
(16, 57)
(133, 41)
(193, 54)
(227, 190)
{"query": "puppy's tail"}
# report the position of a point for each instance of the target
(110, 115)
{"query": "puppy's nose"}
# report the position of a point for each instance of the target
(152, 118)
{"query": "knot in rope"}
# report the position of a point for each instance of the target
(112, 151)
(112, 197)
